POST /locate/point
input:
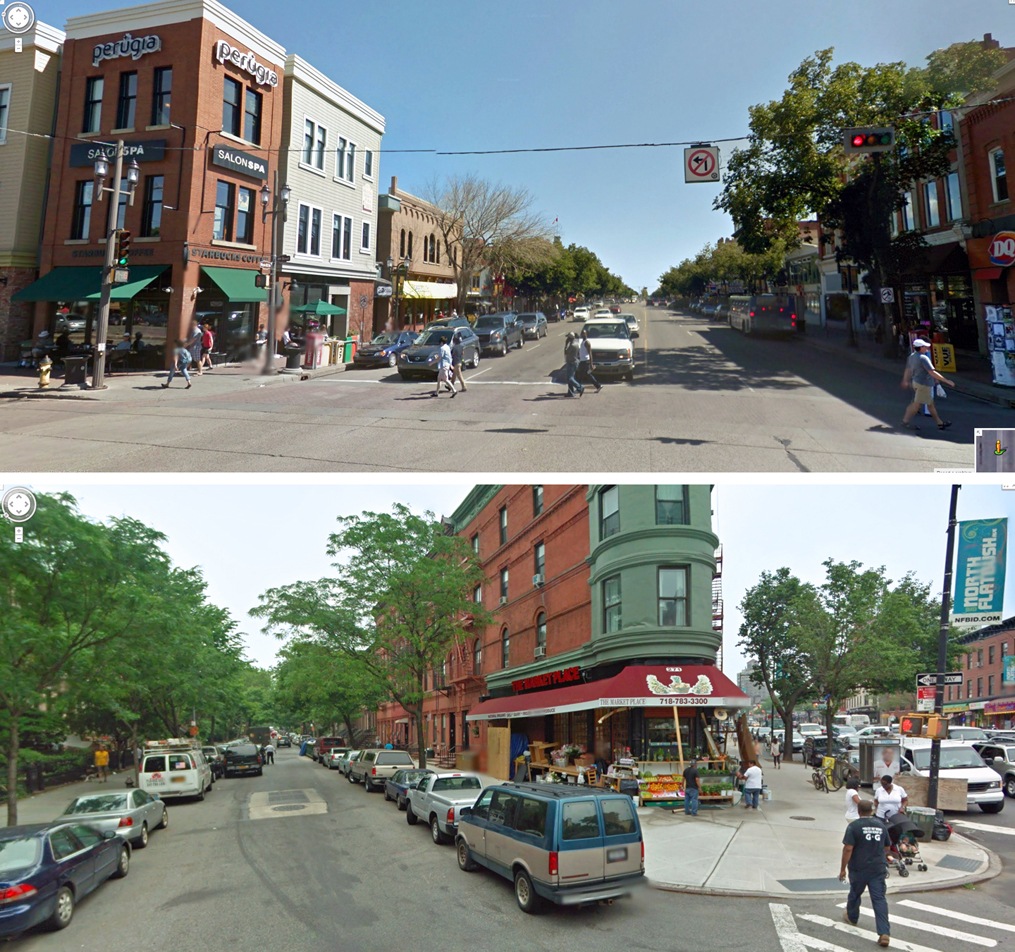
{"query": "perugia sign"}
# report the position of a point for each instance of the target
(548, 680)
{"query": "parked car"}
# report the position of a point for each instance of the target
(216, 761)
(450, 322)
(438, 799)
(498, 333)
(612, 350)
(420, 360)
(582, 314)
(324, 744)
(816, 746)
(384, 349)
(396, 787)
(335, 756)
(347, 759)
(376, 765)
(47, 868)
(557, 842)
(967, 734)
(175, 772)
(958, 760)
(1000, 757)
(533, 324)
(243, 759)
(806, 729)
(131, 814)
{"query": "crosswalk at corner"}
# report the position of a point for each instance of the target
(910, 920)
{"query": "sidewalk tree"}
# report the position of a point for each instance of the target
(794, 167)
(766, 636)
(400, 599)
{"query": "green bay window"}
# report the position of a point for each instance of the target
(673, 596)
(612, 620)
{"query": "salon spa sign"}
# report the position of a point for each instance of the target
(133, 46)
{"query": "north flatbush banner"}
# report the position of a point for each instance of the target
(979, 576)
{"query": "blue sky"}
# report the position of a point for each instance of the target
(477, 74)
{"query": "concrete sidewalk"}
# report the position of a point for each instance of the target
(49, 804)
(791, 845)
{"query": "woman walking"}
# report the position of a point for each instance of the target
(776, 753)
(181, 361)
(193, 345)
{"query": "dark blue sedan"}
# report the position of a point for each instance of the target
(398, 783)
(47, 868)
(384, 349)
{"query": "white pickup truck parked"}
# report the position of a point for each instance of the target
(438, 798)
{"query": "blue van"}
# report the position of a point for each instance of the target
(565, 843)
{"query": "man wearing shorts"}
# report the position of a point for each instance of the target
(920, 375)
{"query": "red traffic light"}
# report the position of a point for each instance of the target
(906, 725)
(858, 141)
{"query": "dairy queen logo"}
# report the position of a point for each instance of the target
(678, 685)
(1002, 249)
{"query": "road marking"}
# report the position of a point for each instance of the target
(927, 927)
(862, 933)
(343, 380)
(475, 375)
(961, 916)
(986, 827)
(301, 803)
(785, 928)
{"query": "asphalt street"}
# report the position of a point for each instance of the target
(358, 877)
(704, 399)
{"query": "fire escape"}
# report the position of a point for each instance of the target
(717, 602)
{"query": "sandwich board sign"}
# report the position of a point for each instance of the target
(701, 164)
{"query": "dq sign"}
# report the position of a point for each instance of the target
(1002, 249)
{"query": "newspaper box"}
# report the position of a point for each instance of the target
(314, 356)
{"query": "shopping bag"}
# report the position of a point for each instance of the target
(939, 392)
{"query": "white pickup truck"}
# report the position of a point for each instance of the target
(439, 798)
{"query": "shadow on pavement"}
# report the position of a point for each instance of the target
(518, 430)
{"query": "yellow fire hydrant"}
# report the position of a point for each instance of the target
(45, 369)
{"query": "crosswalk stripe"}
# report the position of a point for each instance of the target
(986, 827)
(786, 929)
(961, 916)
(862, 933)
(813, 942)
(927, 927)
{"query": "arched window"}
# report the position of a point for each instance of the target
(433, 248)
(437, 252)
(477, 657)
(410, 244)
(541, 630)
(401, 249)
(505, 648)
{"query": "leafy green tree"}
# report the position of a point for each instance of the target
(399, 600)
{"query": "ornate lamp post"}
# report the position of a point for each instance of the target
(279, 206)
(400, 272)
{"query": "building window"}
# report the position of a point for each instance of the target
(990, 685)
(410, 244)
(609, 511)
(999, 176)
(315, 233)
(611, 604)
(368, 164)
(671, 506)
(979, 658)
(5, 109)
(336, 237)
(346, 239)
(401, 245)
(93, 104)
(225, 193)
(945, 121)
(477, 657)
(364, 241)
(1004, 649)
(350, 163)
(909, 213)
(990, 654)
(503, 524)
(245, 215)
(475, 543)
(121, 208)
(673, 597)
(126, 105)
(161, 94)
(931, 204)
(151, 211)
(252, 117)
(954, 196)
(969, 661)
(979, 687)
(475, 282)
(341, 158)
(969, 687)
(232, 96)
(303, 230)
(315, 139)
(82, 221)
(503, 583)
(437, 252)
(477, 594)
(541, 630)
(537, 501)
(540, 558)
(949, 692)
(505, 648)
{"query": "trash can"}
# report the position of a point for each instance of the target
(350, 350)
(314, 356)
(293, 357)
(924, 818)
(75, 370)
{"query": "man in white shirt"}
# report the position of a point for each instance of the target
(269, 753)
(444, 369)
(752, 785)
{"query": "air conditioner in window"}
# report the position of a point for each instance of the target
(503, 599)
(537, 579)
(540, 651)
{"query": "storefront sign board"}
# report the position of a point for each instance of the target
(84, 154)
(1008, 669)
(943, 356)
(227, 53)
(241, 162)
(551, 678)
(133, 46)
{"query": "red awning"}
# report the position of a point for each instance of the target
(986, 274)
(636, 686)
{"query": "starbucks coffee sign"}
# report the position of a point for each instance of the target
(225, 53)
(133, 46)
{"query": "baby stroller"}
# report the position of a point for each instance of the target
(905, 851)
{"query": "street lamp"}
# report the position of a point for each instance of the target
(112, 232)
(279, 206)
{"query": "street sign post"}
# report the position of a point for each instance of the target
(888, 295)
(701, 164)
(934, 678)
(925, 700)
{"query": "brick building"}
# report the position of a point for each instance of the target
(986, 696)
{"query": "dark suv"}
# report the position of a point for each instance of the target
(243, 759)
(499, 332)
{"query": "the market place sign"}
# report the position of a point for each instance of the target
(242, 162)
(147, 150)
(227, 53)
(550, 679)
(133, 46)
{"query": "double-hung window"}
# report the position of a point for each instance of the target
(341, 154)
(503, 583)
(5, 109)
(252, 117)
(537, 501)
(540, 558)
(308, 237)
(350, 163)
(315, 138)
(245, 215)
(502, 515)
(673, 597)
(999, 175)
(609, 511)
(930, 201)
(505, 648)
(232, 111)
(341, 238)
(671, 505)
(612, 620)
(364, 241)
(151, 210)
(909, 213)
(126, 106)
(368, 164)
(81, 222)
(93, 104)
(225, 206)
(161, 94)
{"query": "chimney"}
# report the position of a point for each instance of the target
(394, 185)
(989, 43)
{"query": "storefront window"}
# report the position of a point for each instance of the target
(661, 734)
(611, 604)
(609, 511)
(673, 597)
(671, 505)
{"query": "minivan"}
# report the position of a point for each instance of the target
(243, 759)
(959, 761)
(175, 773)
(564, 843)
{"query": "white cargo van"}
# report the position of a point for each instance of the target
(958, 761)
(175, 768)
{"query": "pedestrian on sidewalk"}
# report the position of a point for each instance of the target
(181, 361)
(752, 784)
(852, 799)
(194, 345)
(444, 370)
(865, 847)
(920, 375)
(207, 344)
(586, 364)
(692, 788)
(457, 356)
(890, 798)
(776, 753)
(102, 764)
(572, 362)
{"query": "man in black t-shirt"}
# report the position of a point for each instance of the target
(692, 787)
(865, 848)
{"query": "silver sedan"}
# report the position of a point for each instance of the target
(132, 814)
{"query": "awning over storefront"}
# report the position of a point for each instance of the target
(237, 284)
(986, 274)
(85, 284)
(429, 289)
(701, 686)
(1002, 706)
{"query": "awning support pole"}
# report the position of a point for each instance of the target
(680, 743)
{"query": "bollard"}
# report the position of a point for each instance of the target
(45, 370)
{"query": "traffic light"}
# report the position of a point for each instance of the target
(911, 725)
(937, 727)
(880, 139)
(122, 258)
(260, 280)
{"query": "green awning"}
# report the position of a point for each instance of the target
(85, 284)
(237, 284)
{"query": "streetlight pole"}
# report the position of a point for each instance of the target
(101, 171)
(279, 201)
(400, 272)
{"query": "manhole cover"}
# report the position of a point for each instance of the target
(287, 796)
(288, 808)
(801, 818)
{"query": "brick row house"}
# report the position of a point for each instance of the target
(986, 696)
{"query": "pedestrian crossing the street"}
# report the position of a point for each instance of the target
(800, 931)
